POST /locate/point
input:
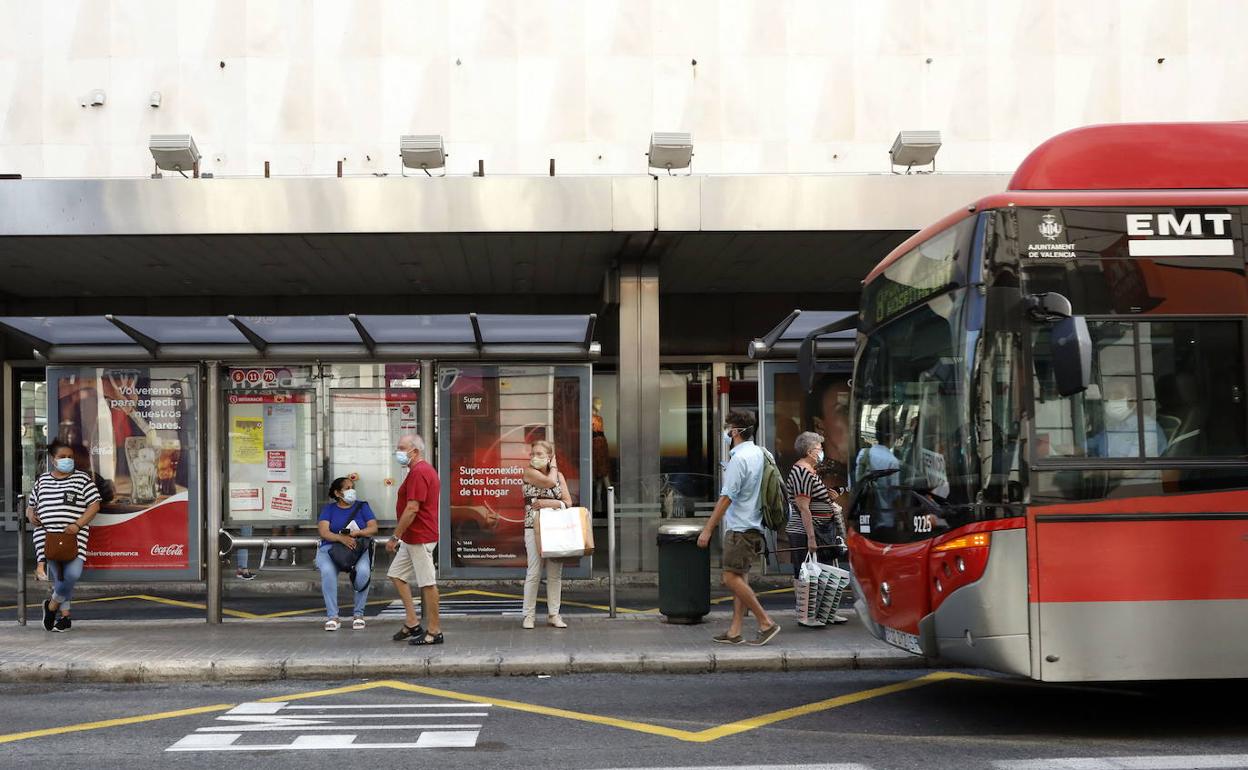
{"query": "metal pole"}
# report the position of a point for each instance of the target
(212, 490)
(21, 561)
(428, 393)
(611, 548)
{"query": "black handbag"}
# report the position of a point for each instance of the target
(345, 558)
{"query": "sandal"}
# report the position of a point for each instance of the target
(724, 638)
(407, 632)
(332, 624)
(427, 638)
(357, 623)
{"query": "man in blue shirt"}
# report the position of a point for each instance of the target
(879, 457)
(740, 507)
(1120, 436)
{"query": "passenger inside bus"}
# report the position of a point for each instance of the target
(879, 457)
(1120, 435)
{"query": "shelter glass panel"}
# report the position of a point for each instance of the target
(271, 446)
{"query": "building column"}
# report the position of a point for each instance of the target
(638, 379)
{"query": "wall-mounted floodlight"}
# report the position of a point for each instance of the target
(423, 152)
(174, 152)
(915, 148)
(671, 150)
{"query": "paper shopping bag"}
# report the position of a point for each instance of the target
(563, 533)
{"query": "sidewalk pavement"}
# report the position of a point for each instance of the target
(309, 582)
(192, 651)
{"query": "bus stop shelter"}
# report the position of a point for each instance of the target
(199, 423)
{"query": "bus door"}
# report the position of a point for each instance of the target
(892, 518)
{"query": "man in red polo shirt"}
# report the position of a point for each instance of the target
(413, 542)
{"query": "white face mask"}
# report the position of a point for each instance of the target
(819, 457)
(348, 496)
(401, 458)
(1117, 409)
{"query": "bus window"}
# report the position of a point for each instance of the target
(1194, 372)
(912, 431)
(1186, 400)
(1103, 421)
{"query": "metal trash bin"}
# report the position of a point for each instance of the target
(684, 572)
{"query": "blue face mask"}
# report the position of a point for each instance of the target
(401, 458)
(65, 464)
(348, 496)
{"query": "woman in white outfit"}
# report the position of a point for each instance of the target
(544, 487)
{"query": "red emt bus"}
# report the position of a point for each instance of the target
(1051, 466)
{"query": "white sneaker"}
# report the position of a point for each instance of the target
(332, 624)
(556, 621)
(839, 619)
(528, 622)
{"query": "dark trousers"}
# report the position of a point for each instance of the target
(825, 539)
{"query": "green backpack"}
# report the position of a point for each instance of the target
(774, 498)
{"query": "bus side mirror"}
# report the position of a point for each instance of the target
(1072, 355)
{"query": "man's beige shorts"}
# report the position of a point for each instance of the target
(413, 564)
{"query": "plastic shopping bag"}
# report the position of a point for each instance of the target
(836, 581)
(806, 589)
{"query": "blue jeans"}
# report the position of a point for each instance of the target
(242, 552)
(64, 574)
(329, 582)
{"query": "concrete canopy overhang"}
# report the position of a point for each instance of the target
(459, 236)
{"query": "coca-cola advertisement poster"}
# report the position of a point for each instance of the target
(490, 418)
(134, 429)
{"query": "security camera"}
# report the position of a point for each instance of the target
(154, 99)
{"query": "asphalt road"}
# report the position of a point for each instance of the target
(639, 721)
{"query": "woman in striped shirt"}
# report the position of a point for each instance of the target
(62, 500)
(813, 521)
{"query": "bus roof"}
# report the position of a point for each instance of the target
(1139, 156)
(1124, 164)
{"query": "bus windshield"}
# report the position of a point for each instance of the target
(910, 469)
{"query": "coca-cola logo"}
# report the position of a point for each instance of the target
(177, 549)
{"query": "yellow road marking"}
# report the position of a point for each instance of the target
(725, 599)
(495, 595)
(699, 736)
(194, 606)
(311, 610)
(149, 598)
(11, 737)
(691, 736)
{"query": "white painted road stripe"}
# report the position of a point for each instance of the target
(400, 706)
(311, 728)
(1190, 762)
(1181, 247)
(840, 766)
(312, 718)
(428, 740)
